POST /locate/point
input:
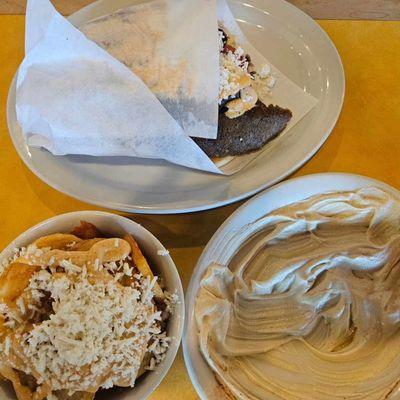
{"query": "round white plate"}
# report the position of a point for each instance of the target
(293, 42)
(281, 195)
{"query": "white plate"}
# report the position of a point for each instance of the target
(293, 42)
(164, 266)
(285, 193)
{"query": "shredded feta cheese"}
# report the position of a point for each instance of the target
(171, 300)
(21, 305)
(7, 345)
(127, 269)
(97, 331)
(70, 267)
(103, 325)
(271, 81)
(264, 71)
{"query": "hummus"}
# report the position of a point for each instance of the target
(308, 308)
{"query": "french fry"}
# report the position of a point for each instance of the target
(86, 396)
(85, 245)
(23, 391)
(86, 230)
(59, 241)
(142, 265)
(63, 395)
(105, 250)
(145, 362)
(14, 280)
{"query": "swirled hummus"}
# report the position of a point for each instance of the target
(309, 307)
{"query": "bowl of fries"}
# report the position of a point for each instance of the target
(91, 304)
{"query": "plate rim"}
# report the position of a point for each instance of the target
(158, 209)
(190, 294)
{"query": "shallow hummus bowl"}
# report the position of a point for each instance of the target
(162, 265)
(281, 195)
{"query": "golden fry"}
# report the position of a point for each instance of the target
(14, 280)
(144, 364)
(58, 241)
(86, 230)
(63, 395)
(105, 250)
(142, 265)
(23, 392)
(85, 245)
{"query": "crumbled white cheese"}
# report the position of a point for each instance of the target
(158, 349)
(3, 265)
(10, 324)
(239, 52)
(10, 316)
(118, 276)
(247, 98)
(233, 65)
(38, 252)
(3, 309)
(237, 58)
(21, 305)
(70, 267)
(111, 266)
(264, 71)
(7, 345)
(31, 250)
(103, 325)
(127, 269)
(271, 81)
(221, 40)
(171, 300)
(96, 264)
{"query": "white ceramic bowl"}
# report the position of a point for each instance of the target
(163, 265)
(285, 193)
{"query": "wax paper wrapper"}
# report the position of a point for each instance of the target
(285, 94)
(75, 98)
(172, 46)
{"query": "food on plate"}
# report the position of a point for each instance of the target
(167, 95)
(245, 124)
(308, 307)
(249, 132)
(80, 312)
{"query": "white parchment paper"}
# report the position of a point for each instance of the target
(75, 98)
(173, 47)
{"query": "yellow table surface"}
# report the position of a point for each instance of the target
(365, 141)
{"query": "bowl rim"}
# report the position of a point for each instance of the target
(146, 385)
(190, 330)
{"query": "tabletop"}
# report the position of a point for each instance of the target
(365, 140)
